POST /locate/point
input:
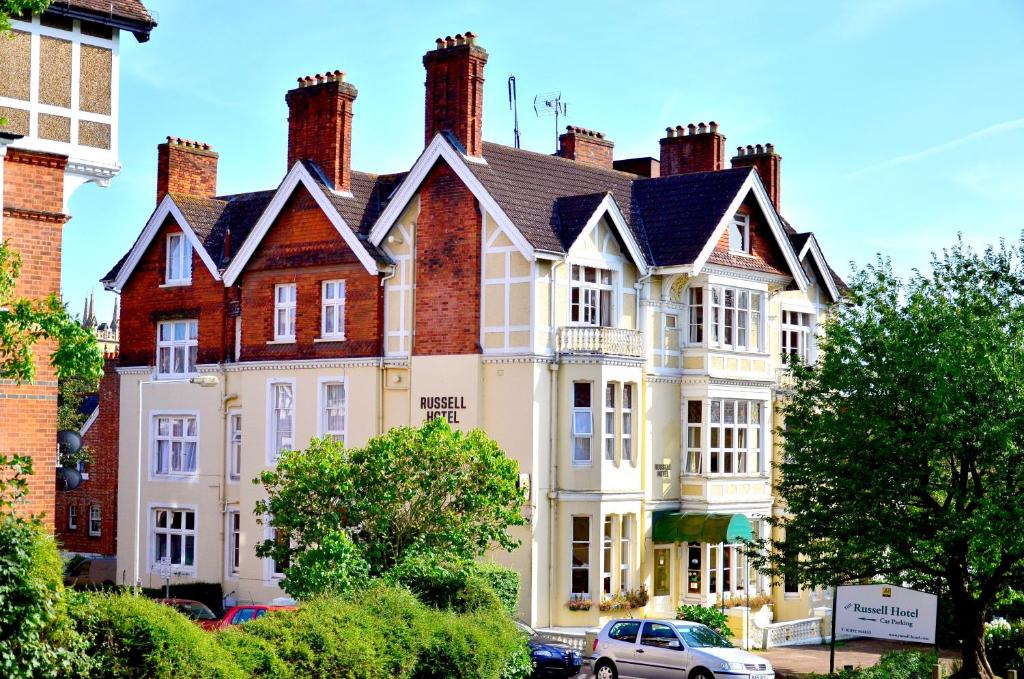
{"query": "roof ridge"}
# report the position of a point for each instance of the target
(571, 163)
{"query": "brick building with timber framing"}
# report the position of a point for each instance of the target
(59, 94)
(616, 325)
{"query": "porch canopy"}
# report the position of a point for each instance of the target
(695, 527)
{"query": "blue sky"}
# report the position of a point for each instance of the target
(900, 122)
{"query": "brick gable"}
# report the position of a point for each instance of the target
(765, 253)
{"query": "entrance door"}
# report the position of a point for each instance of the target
(661, 593)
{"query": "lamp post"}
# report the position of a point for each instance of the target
(201, 380)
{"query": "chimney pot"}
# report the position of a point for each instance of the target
(459, 39)
(585, 146)
(449, 41)
(185, 166)
(713, 126)
(739, 151)
(440, 43)
(759, 149)
(320, 125)
(770, 148)
(767, 163)
(670, 132)
(454, 91)
(702, 128)
(699, 147)
(692, 128)
(470, 38)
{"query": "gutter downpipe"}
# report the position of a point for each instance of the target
(393, 271)
(552, 441)
(641, 528)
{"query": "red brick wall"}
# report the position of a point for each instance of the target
(303, 247)
(32, 225)
(101, 487)
(455, 92)
(144, 303)
(694, 149)
(767, 163)
(586, 147)
(320, 127)
(448, 234)
(185, 166)
(766, 255)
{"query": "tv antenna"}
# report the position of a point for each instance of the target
(551, 104)
(514, 105)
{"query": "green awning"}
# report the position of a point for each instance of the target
(694, 527)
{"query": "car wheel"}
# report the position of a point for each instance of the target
(606, 670)
(701, 673)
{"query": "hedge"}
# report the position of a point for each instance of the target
(455, 584)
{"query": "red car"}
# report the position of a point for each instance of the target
(236, 615)
(196, 610)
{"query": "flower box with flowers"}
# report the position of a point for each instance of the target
(579, 603)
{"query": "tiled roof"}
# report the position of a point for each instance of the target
(131, 15)
(572, 214)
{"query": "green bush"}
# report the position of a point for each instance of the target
(892, 665)
(1004, 645)
(458, 584)
(707, 615)
(36, 635)
(132, 636)
(477, 645)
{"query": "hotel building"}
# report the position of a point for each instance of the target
(616, 325)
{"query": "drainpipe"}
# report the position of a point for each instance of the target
(552, 446)
(641, 528)
(392, 272)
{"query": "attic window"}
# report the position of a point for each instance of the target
(739, 234)
(179, 260)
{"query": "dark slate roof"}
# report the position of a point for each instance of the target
(680, 212)
(572, 214)
(129, 15)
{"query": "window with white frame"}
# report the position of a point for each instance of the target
(332, 311)
(608, 550)
(95, 520)
(728, 568)
(796, 334)
(739, 234)
(591, 296)
(609, 421)
(625, 552)
(234, 541)
(627, 422)
(177, 347)
(735, 436)
(694, 558)
(695, 315)
(235, 444)
(179, 260)
(332, 415)
(282, 417)
(278, 566)
(670, 341)
(174, 536)
(284, 312)
(72, 517)
(175, 444)
(694, 419)
(580, 557)
(582, 423)
(736, 318)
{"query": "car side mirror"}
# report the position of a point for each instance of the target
(675, 645)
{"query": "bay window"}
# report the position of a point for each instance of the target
(591, 296)
(582, 423)
(695, 313)
(179, 260)
(175, 445)
(174, 537)
(580, 557)
(736, 316)
(609, 421)
(735, 436)
(177, 347)
(671, 342)
(694, 419)
(627, 422)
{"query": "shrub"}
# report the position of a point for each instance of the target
(471, 646)
(36, 636)
(892, 665)
(458, 584)
(1004, 644)
(707, 615)
(132, 636)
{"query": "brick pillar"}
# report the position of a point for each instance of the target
(320, 125)
(185, 166)
(767, 162)
(455, 91)
(695, 148)
(586, 147)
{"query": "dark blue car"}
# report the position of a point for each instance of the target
(551, 658)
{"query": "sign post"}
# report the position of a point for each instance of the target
(164, 568)
(832, 639)
(883, 612)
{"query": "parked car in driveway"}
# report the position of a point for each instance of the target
(90, 571)
(658, 649)
(551, 658)
(196, 610)
(237, 615)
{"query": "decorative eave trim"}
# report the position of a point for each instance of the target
(747, 274)
(601, 359)
(611, 208)
(297, 174)
(495, 359)
(653, 378)
(440, 147)
(135, 370)
(302, 364)
(40, 158)
(36, 215)
(753, 183)
(736, 382)
(166, 208)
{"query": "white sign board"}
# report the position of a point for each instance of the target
(886, 612)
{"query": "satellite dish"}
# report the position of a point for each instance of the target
(68, 478)
(70, 441)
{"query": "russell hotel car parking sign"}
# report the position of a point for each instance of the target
(885, 612)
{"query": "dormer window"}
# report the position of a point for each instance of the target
(179, 260)
(591, 296)
(739, 234)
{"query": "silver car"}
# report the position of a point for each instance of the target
(658, 649)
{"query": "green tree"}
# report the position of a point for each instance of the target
(25, 322)
(904, 444)
(427, 490)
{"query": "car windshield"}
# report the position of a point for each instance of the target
(196, 611)
(699, 636)
(526, 629)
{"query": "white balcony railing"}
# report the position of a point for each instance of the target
(791, 633)
(596, 340)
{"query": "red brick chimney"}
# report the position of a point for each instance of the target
(185, 166)
(767, 162)
(320, 125)
(586, 147)
(695, 148)
(455, 91)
